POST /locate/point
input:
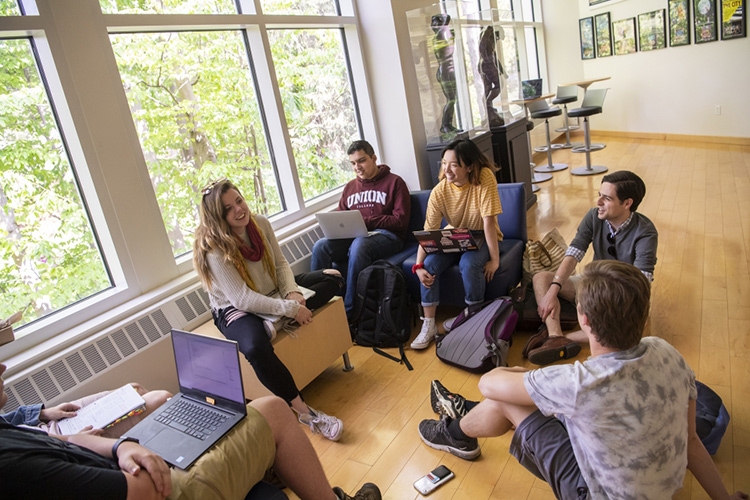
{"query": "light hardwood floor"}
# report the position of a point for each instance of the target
(697, 195)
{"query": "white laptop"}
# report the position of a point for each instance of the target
(342, 224)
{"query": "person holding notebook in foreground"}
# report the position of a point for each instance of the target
(242, 269)
(383, 200)
(466, 197)
(47, 419)
(621, 424)
(35, 466)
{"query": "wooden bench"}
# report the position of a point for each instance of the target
(315, 348)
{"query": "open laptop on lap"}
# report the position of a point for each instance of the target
(342, 224)
(210, 403)
(449, 240)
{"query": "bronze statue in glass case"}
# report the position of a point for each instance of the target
(490, 70)
(444, 46)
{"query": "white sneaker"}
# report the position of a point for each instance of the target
(270, 329)
(428, 332)
(448, 324)
(320, 423)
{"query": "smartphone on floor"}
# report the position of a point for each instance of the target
(430, 482)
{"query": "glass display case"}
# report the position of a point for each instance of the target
(466, 63)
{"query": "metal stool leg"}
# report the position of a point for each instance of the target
(550, 167)
(567, 128)
(588, 169)
(535, 177)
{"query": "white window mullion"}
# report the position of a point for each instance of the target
(268, 89)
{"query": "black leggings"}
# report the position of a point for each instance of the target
(323, 284)
(249, 333)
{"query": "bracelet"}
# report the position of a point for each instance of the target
(556, 283)
(416, 267)
(119, 442)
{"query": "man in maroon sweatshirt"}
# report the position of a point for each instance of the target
(383, 199)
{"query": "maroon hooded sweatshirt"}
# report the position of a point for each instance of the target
(384, 201)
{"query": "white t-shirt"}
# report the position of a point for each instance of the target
(626, 414)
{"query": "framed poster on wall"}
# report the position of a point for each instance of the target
(679, 22)
(623, 33)
(603, 32)
(594, 4)
(652, 33)
(586, 28)
(733, 20)
(704, 21)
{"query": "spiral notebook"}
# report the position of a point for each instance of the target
(115, 406)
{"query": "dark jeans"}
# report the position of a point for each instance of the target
(356, 254)
(249, 333)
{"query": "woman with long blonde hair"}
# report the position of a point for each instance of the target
(241, 266)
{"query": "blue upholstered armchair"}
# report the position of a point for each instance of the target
(513, 225)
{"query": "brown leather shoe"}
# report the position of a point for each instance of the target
(554, 349)
(536, 340)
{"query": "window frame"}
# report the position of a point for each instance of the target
(143, 271)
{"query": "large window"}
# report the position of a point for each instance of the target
(111, 123)
(194, 105)
(314, 84)
(49, 257)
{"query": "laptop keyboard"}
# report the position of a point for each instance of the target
(192, 419)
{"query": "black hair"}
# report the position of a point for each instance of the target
(627, 185)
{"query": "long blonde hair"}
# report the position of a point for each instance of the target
(214, 234)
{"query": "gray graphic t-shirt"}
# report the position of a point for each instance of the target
(626, 413)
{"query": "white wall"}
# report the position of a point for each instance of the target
(673, 90)
(385, 41)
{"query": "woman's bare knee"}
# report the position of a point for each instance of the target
(332, 272)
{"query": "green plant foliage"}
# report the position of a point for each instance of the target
(318, 105)
(48, 254)
(194, 106)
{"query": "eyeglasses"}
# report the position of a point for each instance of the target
(611, 248)
(207, 190)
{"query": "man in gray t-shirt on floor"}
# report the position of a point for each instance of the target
(621, 424)
(617, 232)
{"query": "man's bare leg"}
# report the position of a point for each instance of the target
(542, 282)
(296, 463)
(493, 418)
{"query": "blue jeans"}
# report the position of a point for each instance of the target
(357, 253)
(471, 265)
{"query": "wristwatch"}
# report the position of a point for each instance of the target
(119, 442)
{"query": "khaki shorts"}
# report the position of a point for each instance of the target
(232, 467)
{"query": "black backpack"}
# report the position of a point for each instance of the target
(382, 310)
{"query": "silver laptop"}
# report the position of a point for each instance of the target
(342, 224)
(211, 401)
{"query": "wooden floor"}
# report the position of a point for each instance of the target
(699, 198)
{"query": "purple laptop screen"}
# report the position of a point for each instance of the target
(207, 365)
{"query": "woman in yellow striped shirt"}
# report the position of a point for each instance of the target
(466, 197)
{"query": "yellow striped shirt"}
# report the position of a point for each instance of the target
(464, 206)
